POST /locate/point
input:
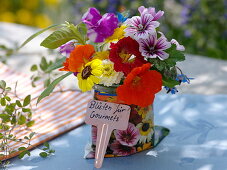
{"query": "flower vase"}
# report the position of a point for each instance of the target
(137, 137)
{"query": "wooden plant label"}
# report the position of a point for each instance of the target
(107, 117)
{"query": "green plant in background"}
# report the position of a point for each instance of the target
(201, 27)
(5, 53)
(44, 71)
(16, 113)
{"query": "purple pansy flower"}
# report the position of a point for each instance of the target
(152, 47)
(172, 90)
(67, 48)
(121, 150)
(151, 11)
(141, 26)
(128, 137)
(179, 47)
(99, 27)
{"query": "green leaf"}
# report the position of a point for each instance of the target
(4, 127)
(174, 56)
(5, 117)
(26, 137)
(2, 84)
(3, 101)
(14, 120)
(31, 134)
(18, 103)
(26, 110)
(59, 37)
(38, 33)
(30, 123)
(21, 148)
(51, 87)
(57, 64)
(22, 120)
(22, 154)
(82, 28)
(27, 100)
(78, 32)
(169, 82)
(47, 145)
(8, 98)
(51, 151)
(43, 154)
(34, 67)
(45, 149)
(43, 65)
(46, 82)
(8, 89)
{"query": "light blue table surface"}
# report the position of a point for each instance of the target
(198, 140)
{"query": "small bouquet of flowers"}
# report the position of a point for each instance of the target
(115, 50)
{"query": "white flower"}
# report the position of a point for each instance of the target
(110, 76)
(179, 47)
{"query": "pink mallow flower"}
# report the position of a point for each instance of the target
(140, 26)
(99, 27)
(128, 137)
(151, 11)
(153, 47)
(121, 150)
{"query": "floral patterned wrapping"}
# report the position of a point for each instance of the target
(137, 137)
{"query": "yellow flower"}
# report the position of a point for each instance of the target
(31, 4)
(42, 21)
(110, 76)
(108, 69)
(89, 75)
(142, 111)
(146, 130)
(24, 16)
(117, 35)
(52, 2)
(7, 17)
(102, 55)
(144, 147)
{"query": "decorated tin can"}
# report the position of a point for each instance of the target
(137, 137)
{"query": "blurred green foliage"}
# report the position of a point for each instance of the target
(201, 25)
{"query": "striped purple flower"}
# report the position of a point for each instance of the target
(151, 11)
(153, 47)
(141, 26)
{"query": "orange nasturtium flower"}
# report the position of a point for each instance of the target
(140, 86)
(78, 57)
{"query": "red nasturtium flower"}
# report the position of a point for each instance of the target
(78, 57)
(140, 86)
(125, 55)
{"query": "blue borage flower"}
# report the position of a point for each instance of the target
(182, 78)
(172, 90)
(121, 18)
